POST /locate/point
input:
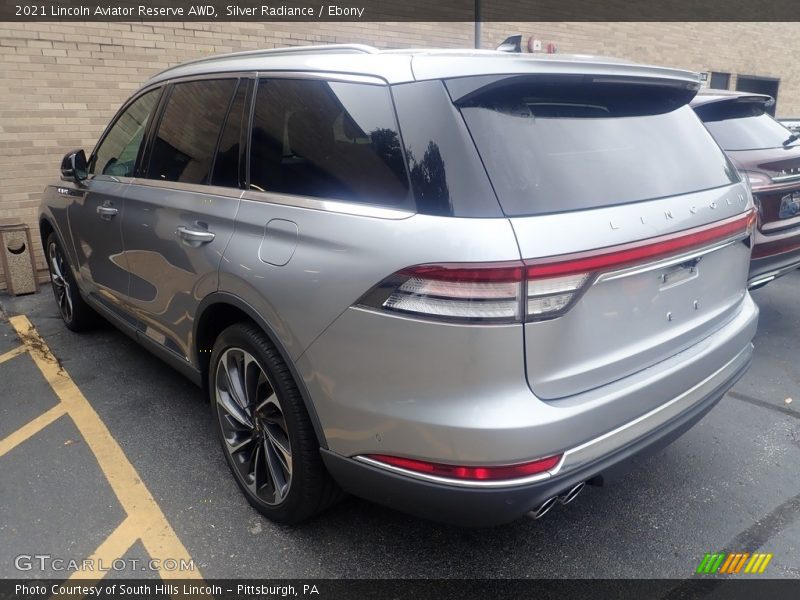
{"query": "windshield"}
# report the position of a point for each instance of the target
(743, 126)
(586, 146)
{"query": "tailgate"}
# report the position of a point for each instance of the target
(634, 309)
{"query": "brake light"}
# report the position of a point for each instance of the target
(469, 473)
(534, 289)
(487, 292)
(618, 257)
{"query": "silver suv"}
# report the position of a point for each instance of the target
(457, 283)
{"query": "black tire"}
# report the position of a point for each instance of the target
(256, 419)
(76, 314)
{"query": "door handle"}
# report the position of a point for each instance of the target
(200, 236)
(107, 212)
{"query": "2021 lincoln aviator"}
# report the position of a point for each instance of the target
(457, 283)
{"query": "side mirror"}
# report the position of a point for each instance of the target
(74, 167)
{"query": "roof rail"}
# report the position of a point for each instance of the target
(324, 48)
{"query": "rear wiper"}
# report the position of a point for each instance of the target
(791, 139)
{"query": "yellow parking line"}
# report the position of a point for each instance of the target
(144, 514)
(12, 353)
(113, 547)
(30, 429)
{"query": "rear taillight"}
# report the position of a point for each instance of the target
(533, 289)
(506, 472)
(486, 292)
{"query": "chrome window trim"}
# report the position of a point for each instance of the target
(633, 430)
(196, 188)
(669, 262)
(111, 178)
(334, 206)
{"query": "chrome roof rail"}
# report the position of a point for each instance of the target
(266, 52)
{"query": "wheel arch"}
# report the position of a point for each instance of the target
(218, 311)
(47, 227)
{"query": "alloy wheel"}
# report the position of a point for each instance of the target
(61, 286)
(253, 426)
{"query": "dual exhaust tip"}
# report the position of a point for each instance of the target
(565, 498)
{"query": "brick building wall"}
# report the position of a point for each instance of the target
(60, 83)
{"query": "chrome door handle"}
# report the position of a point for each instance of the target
(201, 236)
(107, 212)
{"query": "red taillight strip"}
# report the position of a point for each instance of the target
(497, 272)
(463, 473)
(616, 257)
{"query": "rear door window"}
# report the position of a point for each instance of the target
(183, 148)
(324, 139)
(550, 146)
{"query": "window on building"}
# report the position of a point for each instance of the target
(116, 155)
(327, 140)
(719, 81)
(183, 149)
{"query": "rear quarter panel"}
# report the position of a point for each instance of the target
(339, 256)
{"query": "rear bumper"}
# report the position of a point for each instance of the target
(458, 395)
(770, 267)
(480, 506)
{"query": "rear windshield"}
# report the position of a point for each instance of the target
(742, 126)
(561, 147)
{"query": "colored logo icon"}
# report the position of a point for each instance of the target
(735, 562)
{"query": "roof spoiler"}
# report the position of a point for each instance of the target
(464, 89)
(757, 99)
(512, 43)
(709, 99)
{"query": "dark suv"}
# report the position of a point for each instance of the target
(768, 155)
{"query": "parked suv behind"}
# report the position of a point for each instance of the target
(769, 156)
(457, 283)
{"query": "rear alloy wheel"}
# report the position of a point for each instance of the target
(76, 314)
(264, 429)
(253, 426)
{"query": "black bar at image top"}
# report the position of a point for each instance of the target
(397, 10)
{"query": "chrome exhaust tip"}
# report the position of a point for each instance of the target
(757, 283)
(572, 493)
(543, 509)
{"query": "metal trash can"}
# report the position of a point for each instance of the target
(16, 258)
